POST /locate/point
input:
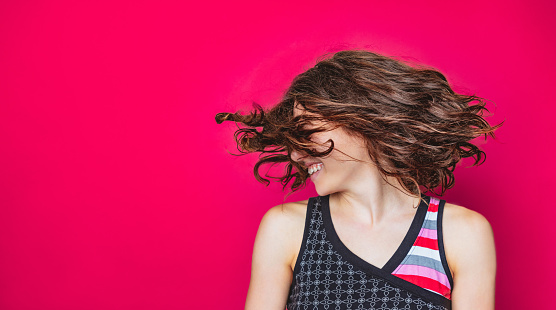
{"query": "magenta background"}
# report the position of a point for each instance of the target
(116, 188)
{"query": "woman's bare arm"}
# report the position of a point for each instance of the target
(470, 250)
(277, 242)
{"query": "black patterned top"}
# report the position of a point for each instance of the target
(327, 275)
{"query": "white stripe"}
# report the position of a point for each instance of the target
(433, 291)
(426, 252)
(431, 216)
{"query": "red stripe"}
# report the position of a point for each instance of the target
(433, 208)
(426, 243)
(427, 283)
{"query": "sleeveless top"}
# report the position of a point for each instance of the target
(327, 275)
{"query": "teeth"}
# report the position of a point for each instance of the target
(314, 168)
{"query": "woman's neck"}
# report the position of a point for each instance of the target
(373, 201)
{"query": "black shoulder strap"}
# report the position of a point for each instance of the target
(440, 238)
(308, 216)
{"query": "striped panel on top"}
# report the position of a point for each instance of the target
(422, 265)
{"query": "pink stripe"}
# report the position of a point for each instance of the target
(428, 233)
(416, 270)
(434, 201)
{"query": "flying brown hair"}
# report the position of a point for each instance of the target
(415, 126)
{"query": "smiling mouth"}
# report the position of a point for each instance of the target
(314, 168)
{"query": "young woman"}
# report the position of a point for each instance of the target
(371, 133)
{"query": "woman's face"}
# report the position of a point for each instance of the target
(338, 171)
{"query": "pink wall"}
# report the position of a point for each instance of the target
(116, 188)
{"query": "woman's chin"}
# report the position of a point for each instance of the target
(322, 190)
(321, 187)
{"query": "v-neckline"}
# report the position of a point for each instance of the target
(398, 255)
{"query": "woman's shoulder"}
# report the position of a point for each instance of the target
(287, 212)
(462, 217)
(286, 219)
(467, 236)
(281, 229)
(285, 215)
